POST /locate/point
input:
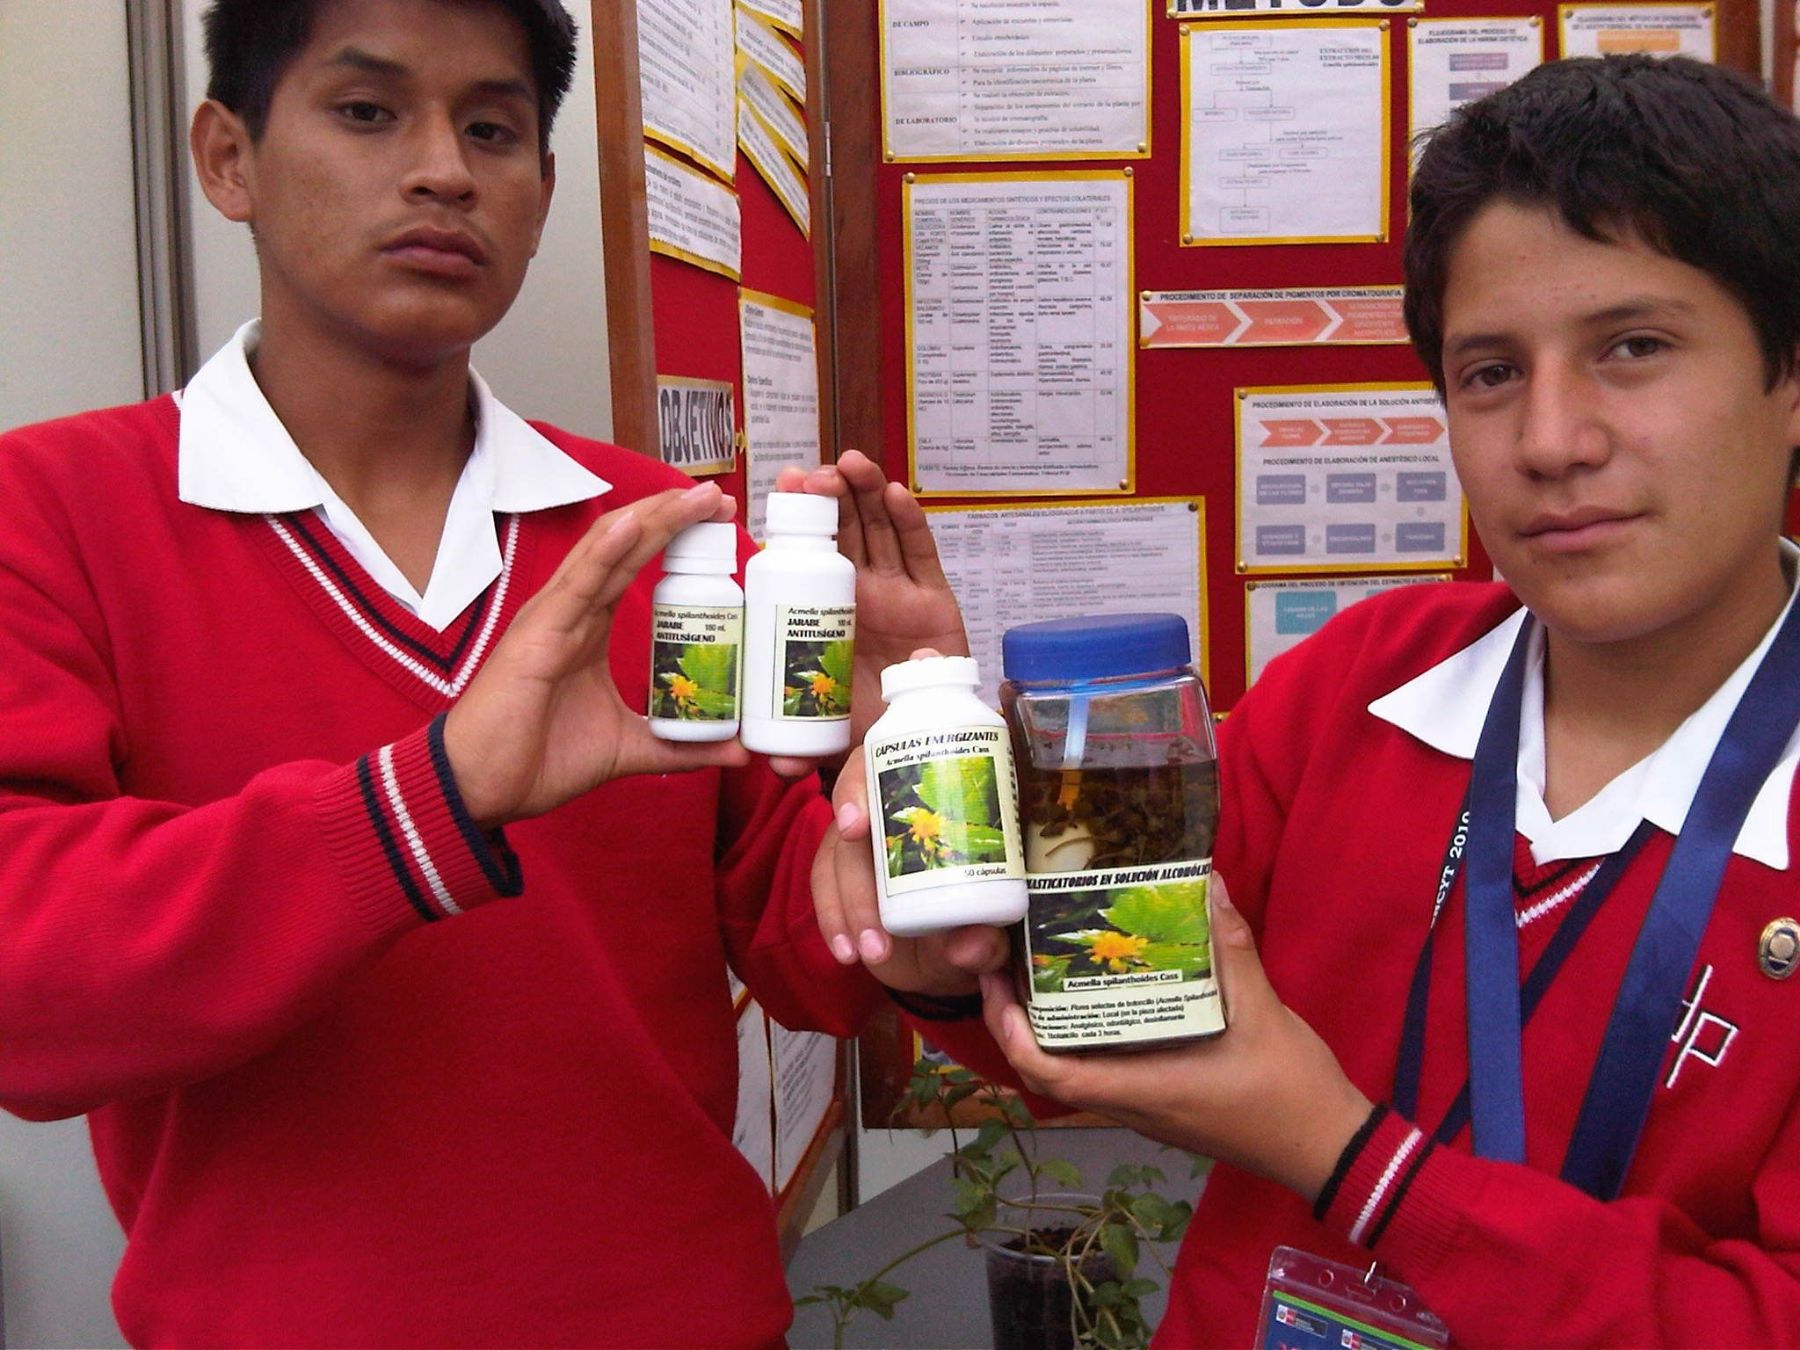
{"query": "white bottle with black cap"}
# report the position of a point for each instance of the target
(799, 631)
(943, 802)
(696, 637)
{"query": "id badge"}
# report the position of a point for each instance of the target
(1310, 1303)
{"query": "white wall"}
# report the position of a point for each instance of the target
(548, 357)
(68, 250)
(69, 339)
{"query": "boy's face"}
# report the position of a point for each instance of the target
(397, 193)
(1623, 461)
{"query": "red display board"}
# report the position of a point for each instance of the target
(1185, 418)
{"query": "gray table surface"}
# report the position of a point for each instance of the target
(948, 1306)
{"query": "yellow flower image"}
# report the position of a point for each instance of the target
(926, 826)
(683, 688)
(823, 686)
(1115, 950)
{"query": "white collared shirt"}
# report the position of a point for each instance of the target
(235, 455)
(1446, 706)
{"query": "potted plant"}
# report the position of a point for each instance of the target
(1065, 1266)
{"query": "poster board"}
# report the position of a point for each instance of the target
(1196, 341)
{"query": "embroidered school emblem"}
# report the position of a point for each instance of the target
(1778, 951)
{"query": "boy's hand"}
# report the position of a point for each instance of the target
(1267, 1096)
(543, 722)
(844, 898)
(903, 600)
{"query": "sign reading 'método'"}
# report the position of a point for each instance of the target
(697, 424)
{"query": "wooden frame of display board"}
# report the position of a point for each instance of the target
(667, 318)
(1787, 29)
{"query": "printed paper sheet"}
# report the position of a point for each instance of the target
(763, 45)
(1013, 565)
(805, 1076)
(1658, 29)
(1346, 478)
(996, 79)
(1244, 9)
(1279, 615)
(781, 395)
(787, 15)
(685, 54)
(691, 216)
(1019, 353)
(776, 169)
(753, 1129)
(1285, 132)
(1456, 61)
(757, 88)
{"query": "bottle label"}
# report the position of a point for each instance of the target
(812, 652)
(1121, 955)
(947, 808)
(694, 662)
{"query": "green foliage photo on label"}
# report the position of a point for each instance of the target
(694, 663)
(943, 806)
(814, 646)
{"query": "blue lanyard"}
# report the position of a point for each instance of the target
(1617, 1100)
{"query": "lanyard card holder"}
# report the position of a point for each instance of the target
(1310, 1303)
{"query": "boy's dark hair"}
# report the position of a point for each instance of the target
(1689, 158)
(249, 44)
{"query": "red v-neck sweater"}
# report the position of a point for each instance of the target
(357, 1074)
(1332, 832)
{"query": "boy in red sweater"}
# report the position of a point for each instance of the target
(1524, 876)
(343, 887)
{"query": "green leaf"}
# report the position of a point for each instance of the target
(790, 705)
(990, 1133)
(1121, 1244)
(896, 862)
(1061, 1170)
(1181, 956)
(1151, 1210)
(962, 788)
(1085, 937)
(966, 1197)
(711, 666)
(714, 704)
(835, 661)
(880, 1297)
(1172, 912)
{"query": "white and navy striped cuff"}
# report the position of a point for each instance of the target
(399, 823)
(1372, 1176)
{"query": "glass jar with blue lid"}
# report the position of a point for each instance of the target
(1119, 803)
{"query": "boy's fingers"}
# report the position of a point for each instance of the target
(826, 905)
(912, 530)
(868, 485)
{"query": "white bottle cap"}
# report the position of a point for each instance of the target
(928, 672)
(802, 513)
(710, 546)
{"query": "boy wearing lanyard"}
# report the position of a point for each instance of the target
(1512, 905)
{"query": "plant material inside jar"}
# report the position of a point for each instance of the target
(1093, 818)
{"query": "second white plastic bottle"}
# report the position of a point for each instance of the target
(943, 802)
(799, 631)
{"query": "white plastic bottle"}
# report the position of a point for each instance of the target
(799, 627)
(696, 637)
(943, 802)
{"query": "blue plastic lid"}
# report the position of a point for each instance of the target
(1095, 647)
